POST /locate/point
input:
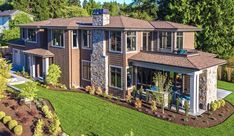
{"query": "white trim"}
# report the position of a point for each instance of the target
(88, 40)
(52, 44)
(76, 39)
(126, 37)
(82, 61)
(112, 51)
(113, 66)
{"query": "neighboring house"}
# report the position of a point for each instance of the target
(6, 16)
(117, 53)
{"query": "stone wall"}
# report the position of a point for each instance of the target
(101, 20)
(99, 61)
(203, 90)
(211, 84)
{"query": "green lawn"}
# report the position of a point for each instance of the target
(86, 114)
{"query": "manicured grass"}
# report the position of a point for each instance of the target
(85, 114)
(227, 86)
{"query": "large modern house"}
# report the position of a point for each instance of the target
(118, 52)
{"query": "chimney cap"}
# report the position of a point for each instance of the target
(100, 11)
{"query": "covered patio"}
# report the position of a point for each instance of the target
(191, 81)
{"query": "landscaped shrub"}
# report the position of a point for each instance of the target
(99, 91)
(92, 91)
(18, 130)
(128, 98)
(29, 91)
(88, 88)
(4, 75)
(222, 102)
(218, 104)
(2, 114)
(153, 106)
(39, 128)
(138, 103)
(47, 112)
(54, 74)
(12, 124)
(62, 86)
(54, 128)
(6, 119)
(213, 106)
(186, 108)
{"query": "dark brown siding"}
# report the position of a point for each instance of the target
(189, 40)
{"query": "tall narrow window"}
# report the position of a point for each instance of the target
(115, 75)
(24, 34)
(57, 38)
(165, 40)
(115, 44)
(131, 41)
(86, 74)
(87, 41)
(75, 39)
(129, 76)
(179, 40)
(32, 35)
(146, 41)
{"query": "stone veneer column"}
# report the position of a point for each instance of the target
(211, 84)
(99, 60)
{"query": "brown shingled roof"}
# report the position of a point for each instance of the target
(40, 52)
(171, 25)
(198, 61)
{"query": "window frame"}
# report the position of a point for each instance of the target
(127, 36)
(180, 36)
(165, 34)
(27, 33)
(77, 39)
(121, 82)
(89, 39)
(82, 66)
(149, 41)
(110, 44)
(52, 40)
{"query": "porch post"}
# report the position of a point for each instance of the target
(135, 75)
(32, 66)
(194, 92)
(45, 66)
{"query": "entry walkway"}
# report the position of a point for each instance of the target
(15, 79)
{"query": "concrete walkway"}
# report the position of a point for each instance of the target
(15, 79)
(223, 93)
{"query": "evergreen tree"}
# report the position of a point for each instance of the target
(91, 5)
(113, 8)
(74, 2)
(57, 8)
(41, 10)
(84, 3)
(216, 18)
(75, 11)
(22, 5)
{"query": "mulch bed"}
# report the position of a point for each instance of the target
(206, 120)
(22, 113)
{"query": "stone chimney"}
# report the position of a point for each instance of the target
(101, 17)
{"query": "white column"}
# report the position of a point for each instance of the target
(194, 92)
(33, 66)
(135, 75)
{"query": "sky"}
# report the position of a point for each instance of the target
(119, 1)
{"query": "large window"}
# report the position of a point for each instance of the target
(86, 74)
(165, 40)
(146, 41)
(87, 41)
(75, 39)
(115, 43)
(57, 38)
(129, 77)
(179, 40)
(131, 41)
(115, 76)
(32, 35)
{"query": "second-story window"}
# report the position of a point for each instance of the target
(87, 41)
(115, 43)
(32, 35)
(24, 33)
(165, 40)
(131, 41)
(179, 40)
(75, 39)
(57, 38)
(146, 41)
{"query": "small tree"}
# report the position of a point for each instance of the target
(186, 108)
(4, 75)
(29, 91)
(54, 73)
(161, 81)
(153, 106)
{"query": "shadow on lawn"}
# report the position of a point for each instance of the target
(92, 134)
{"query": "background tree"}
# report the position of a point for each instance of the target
(57, 8)
(114, 8)
(215, 17)
(54, 74)
(75, 11)
(41, 10)
(74, 3)
(91, 5)
(14, 31)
